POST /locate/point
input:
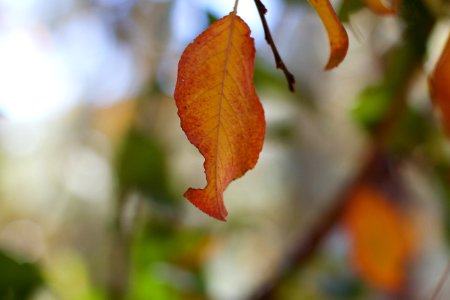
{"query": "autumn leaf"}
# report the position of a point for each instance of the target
(380, 7)
(219, 109)
(337, 34)
(440, 86)
(381, 239)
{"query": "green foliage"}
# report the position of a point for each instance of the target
(413, 130)
(347, 8)
(442, 180)
(413, 127)
(17, 280)
(142, 166)
(324, 278)
(419, 21)
(165, 263)
(371, 105)
(342, 287)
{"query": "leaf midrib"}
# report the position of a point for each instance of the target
(225, 69)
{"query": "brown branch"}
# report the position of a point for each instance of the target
(120, 263)
(416, 36)
(262, 10)
(306, 246)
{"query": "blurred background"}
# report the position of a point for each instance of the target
(350, 198)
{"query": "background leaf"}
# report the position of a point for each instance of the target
(17, 280)
(440, 87)
(337, 34)
(381, 241)
(141, 166)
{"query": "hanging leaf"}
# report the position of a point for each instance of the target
(219, 109)
(336, 32)
(381, 239)
(440, 87)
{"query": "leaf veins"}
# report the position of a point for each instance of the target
(219, 109)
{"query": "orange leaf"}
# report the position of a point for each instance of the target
(440, 86)
(219, 109)
(380, 7)
(381, 239)
(336, 32)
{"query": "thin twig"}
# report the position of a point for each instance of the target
(262, 10)
(440, 285)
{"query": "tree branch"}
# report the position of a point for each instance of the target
(307, 246)
(411, 54)
(262, 10)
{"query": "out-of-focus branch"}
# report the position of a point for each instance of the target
(262, 10)
(119, 271)
(306, 246)
(437, 291)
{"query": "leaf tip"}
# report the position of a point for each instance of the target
(337, 35)
(214, 209)
(338, 52)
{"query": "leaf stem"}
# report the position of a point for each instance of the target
(262, 10)
(235, 6)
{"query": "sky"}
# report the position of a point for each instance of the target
(46, 71)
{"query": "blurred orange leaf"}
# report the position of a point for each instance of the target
(219, 109)
(440, 86)
(114, 121)
(381, 239)
(380, 7)
(337, 34)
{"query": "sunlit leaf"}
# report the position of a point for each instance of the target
(440, 86)
(219, 109)
(337, 34)
(381, 239)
